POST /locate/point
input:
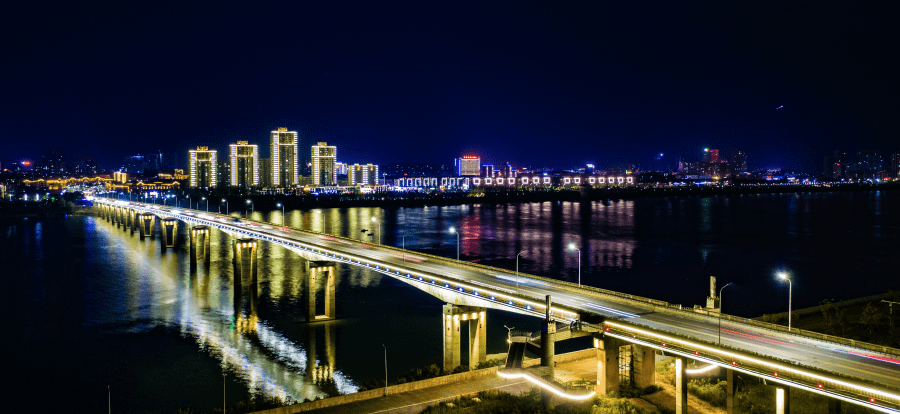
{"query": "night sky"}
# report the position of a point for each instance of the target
(554, 84)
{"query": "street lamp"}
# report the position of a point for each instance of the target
(720, 311)
(784, 276)
(226, 205)
(190, 202)
(282, 212)
(374, 220)
(403, 237)
(207, 204)
(453, 230)
(517, 269)
(251, 205)
(385, 369)
(572, 247)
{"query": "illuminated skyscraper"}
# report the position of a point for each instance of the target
(469, 165)
(203, 167)
(739, 161)
(363, 174)
(244, 164)
(323, 159)
(285, 166)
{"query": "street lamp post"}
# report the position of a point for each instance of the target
(226, 206)
(453, 230)
(207, 204)
(385, 369)
(251, 205)
(282, 212)
(720, 311)
(572, 247)
(517, 269)
(784, 276)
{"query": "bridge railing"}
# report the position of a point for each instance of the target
(657, 305)
(779, 371)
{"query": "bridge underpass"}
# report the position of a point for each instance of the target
(865, 376)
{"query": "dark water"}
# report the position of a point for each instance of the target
(92, 306)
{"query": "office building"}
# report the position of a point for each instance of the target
(323, 159)
(203, 165)
(468, 165)
(244, 165)
(895, 165)
(285, 162)
(366, 174)
(739, 161)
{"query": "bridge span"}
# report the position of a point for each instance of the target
(841, 369)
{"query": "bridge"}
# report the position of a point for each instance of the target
(841, 369)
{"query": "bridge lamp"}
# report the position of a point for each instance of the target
(226, 205)
(572, 247)
(453, 230)
(517, 269)
(784, 276)
(720, 311)
(282, 212)
(207, 204)
(251, 205)
(403, 237)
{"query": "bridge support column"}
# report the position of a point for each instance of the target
(782, 400)
(199, 245)
(115, 216)
(607, 365)
(729, 391)
(245, 261)
(834, 406)
(146, 224)
(681, 382)
(129, 221)
(644, 359)
(169, 232)
(548, 347)
(316, 270)
(453, 317)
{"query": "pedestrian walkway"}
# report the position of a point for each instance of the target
(413, 402)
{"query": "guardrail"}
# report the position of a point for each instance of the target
(657, 305)
(819, 381)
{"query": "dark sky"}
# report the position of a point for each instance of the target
(541, 84)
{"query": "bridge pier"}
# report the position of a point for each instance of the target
(548, 346)
(729, 391)
(453, 316)
(607, 364)
(834, 406)
(146, 225)
(316, 270)
(644, 365)
(681, 386)
(244, 261)
(169, 232)
(782, 400)
(130, 220)
(199, 245)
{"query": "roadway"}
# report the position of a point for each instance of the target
(808, 352)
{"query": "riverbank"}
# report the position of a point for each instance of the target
(490, 196)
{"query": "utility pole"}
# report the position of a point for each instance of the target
(891, 307)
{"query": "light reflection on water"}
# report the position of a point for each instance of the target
(661, 248)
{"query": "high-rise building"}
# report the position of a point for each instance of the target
(244, 164)
(468, 165)
(323, 160)
(366, 174)
(869, 163)
(223, 173)
(487, 171)
(285, 162)
(739, 161)
(203, 167)
(895, 165)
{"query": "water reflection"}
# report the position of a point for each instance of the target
(222, 313)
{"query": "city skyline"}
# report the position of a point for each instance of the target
(584, 83)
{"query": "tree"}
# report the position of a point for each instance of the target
(870, 318)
